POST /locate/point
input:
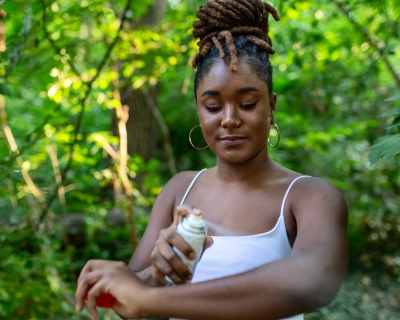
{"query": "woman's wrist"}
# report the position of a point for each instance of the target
(152, 278)
(156, 281)
(151, 301)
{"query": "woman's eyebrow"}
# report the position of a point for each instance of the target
(210, 93)
(246, 90)
(217, 93)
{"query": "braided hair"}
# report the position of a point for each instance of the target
(233, 29)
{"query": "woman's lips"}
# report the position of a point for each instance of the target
(232, 140)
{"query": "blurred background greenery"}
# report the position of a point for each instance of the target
(96, 103)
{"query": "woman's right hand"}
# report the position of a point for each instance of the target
(165, 261)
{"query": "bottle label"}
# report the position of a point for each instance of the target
(197, 244)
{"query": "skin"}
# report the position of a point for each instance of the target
(235, 112)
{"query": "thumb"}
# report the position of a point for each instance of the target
(208, 242)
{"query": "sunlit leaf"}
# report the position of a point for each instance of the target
(391, 112)
(385, 147)
(4, 90)
(394, 97)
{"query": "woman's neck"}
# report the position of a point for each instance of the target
(253, 169)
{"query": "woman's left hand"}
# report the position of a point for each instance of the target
(115, 278)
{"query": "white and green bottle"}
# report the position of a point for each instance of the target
(193, 230)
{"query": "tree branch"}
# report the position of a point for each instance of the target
(2, 31)
(36, 192)
(164, 128)
(61, 190)
(21, 150)
(122, 165)
(52, 42)
(371, 40)
(16, 54)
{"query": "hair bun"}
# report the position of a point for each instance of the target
(222, 19)
(218, 15)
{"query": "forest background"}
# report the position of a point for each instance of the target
(96, 103)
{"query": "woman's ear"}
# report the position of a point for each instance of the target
(272, 106)
(272, 101)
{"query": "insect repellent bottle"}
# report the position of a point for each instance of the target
(193, 230)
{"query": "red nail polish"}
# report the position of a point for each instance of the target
(105, 300)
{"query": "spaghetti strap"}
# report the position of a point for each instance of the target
(287, 192)
(191, 185)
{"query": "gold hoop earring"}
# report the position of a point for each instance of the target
(190, 139)
(279, 137)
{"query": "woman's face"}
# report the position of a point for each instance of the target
(235, 112)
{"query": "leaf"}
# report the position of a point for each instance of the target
(394, 97)
(391, 112)
(385, 147)
(394, 124)
(4, 90)
(9, 7)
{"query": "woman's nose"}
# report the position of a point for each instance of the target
(230, 118)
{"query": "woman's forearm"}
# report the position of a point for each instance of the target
(274, 291)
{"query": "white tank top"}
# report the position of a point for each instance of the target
(233, 255)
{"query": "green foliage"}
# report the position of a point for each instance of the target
(363, 297)
(35, 276)
(63, 62)
(385, 147)
(57, 79)
(4, 90)
(31, 278)
(388, 146)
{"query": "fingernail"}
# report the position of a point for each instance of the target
(189, 277)
(192, 256)
(197, 211)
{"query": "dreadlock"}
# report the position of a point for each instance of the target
(232, 29)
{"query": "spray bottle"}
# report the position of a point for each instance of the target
(193, 230)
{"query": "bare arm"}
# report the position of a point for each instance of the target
(162, 217)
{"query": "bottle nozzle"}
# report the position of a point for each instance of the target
(195, 221)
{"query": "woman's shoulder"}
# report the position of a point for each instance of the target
(183, 178)
(305, 184)
(315, 186)
(308, 189)
(317, 194)
(179, 183)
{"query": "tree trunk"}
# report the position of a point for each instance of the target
(141, 125)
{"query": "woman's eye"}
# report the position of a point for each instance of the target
(213, 109)
(249, 106)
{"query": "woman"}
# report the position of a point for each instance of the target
(277, 245)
